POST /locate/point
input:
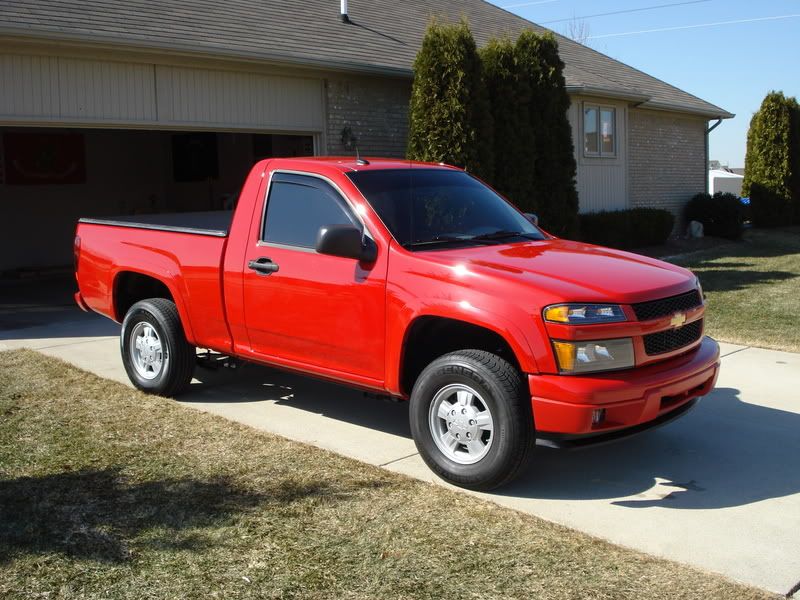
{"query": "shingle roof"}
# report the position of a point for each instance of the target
(383, 37)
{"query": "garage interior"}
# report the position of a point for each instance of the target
(51, 177)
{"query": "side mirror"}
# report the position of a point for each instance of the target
(532, 218)
(346, 241)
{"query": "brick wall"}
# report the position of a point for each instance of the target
(666, 160)
(376, 111)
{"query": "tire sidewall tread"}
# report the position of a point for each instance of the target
(177, 373)
(502, 387)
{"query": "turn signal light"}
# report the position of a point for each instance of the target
(594, 356)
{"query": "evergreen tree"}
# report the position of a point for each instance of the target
(768, 177)
(513, 131)
(794, 149)
(542, 88)
(449, 114)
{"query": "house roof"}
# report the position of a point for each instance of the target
(382, 37)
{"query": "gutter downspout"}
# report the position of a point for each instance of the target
(708, 158)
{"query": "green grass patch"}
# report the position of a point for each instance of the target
(753, 288)
(107, 492)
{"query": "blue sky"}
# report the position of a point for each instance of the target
(732, 66)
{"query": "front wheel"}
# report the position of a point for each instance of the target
(156, 355)
(471, 419)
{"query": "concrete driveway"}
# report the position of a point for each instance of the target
(719, 489)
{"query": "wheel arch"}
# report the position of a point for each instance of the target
(131, 286)
(429, 336)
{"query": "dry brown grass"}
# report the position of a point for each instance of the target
(106, 492)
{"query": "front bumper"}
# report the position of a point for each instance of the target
(564, 404)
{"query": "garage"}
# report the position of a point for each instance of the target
(81, 137)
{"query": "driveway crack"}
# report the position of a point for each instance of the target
(398, 459)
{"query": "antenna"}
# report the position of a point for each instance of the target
(359, 160)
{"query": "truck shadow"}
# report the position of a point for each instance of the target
(725, 453)
(255, 383)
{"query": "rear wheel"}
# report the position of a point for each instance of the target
(471, 419)
(155, 353)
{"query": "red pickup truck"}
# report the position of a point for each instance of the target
(415, 281)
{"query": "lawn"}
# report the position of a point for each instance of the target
(106, 492)
(753, 288)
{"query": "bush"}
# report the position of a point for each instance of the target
(449, 117)
(624, 229)
(769, 162)
(722, 214)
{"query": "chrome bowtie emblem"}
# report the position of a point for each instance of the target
(677, 319)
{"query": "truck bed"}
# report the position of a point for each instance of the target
(214, 223)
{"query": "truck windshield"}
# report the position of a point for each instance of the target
(429, 208)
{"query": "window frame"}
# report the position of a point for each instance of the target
(599, 108)
(339, 196)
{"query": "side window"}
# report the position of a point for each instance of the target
(599, 131)
(298, 206)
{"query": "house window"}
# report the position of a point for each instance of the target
(599, 131)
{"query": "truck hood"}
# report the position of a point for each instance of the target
(573, 271)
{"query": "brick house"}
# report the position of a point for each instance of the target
(110, 107)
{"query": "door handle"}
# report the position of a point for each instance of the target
(263, 266)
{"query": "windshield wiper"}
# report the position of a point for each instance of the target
(503, 234)
(439, 239)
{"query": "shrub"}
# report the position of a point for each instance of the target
(768, 178)
(722, 214)
(542, 91)
(449, 119)
(633, 228)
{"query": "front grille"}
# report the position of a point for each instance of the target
(672, 339)
(666, 306)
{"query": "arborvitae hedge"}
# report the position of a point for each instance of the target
(450, 119)
(625, 229)
(769, 161)
(794, 141)
(514, 151)
(543, 90)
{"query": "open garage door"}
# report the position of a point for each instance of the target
(89, 137)
(51, 177)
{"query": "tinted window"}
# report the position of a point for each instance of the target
(298, 206)
(424, 205)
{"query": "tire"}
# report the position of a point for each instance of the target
(163, 361)
(489, 453)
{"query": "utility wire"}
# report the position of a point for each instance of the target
(699, 25)
(521, 4)
(622, 12)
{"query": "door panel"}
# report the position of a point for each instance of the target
(318, 310)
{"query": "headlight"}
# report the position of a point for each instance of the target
(584, 314)
(597, 355)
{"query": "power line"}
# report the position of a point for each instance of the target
(622, 12)
(699, 25)
(521, 4)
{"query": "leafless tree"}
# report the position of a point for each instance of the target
(578, 30)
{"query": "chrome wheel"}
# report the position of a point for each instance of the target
(148, 355)
(461, 424)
